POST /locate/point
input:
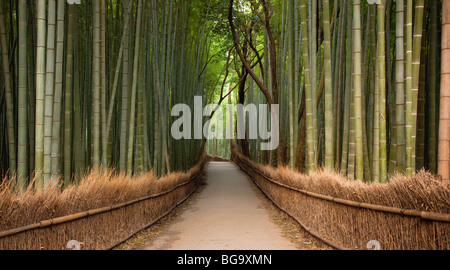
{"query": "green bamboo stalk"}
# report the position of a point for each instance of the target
(124, 109)
(348, 92)
(297, 57)
(339, 78)
(433, 89)
(134, 91)
(104, 132)
(79, 130)
(359, 163)
(166, 93)
(400, 86)
(409, 159)
(49, 89)
(421, 102)
(371, 77)
(68, 99)
(292, 89)
(416, 64)
(311, 161)
(140, 109)
(40, 93)
(351, 145)
(96, 86)
(57, 101)
(376, 121)
(12, 161)
(313, 69)
(382, 89)
(31, 84)
(329, 119)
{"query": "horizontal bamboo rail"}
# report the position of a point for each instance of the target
(382, 208)
(85, 214)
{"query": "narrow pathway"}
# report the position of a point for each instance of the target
(226, 215)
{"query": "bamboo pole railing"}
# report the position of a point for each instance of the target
(85, 214)
(318, 236)
(431, 216)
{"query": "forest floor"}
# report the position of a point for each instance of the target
(227, 212)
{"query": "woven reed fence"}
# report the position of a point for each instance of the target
(104, 227)
(405, 214)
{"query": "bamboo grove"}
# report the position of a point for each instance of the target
(92, 85)
(358, 84)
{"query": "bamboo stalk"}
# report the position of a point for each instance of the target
(68, 99)
(96, 87)
(433, 89)
(400, 86)
(444, 116)
(382, 90)
(8, 96)
(134, 91)
(311, 160)
(359, 166)
(40, 93)
(329, 119)
(49, 90)
(57, 102)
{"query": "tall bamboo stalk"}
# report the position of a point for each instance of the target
(134, 91)
(124, 105)
(433, 85)
(105, 137)
(400, 85)
(8, 96)
(68, 99)
(58, 99)
(310, 149)
(408, 90)
(444, 116)
(416, 59)
(96, 86)
(40, 93)
(329, 119)
(382, 89)
(49, 89)
(292, 89)
(359, 166)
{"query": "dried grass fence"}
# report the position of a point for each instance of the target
(108, 207)
(404, 214)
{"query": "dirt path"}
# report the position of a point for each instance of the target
(227, 212)
(226, 215)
